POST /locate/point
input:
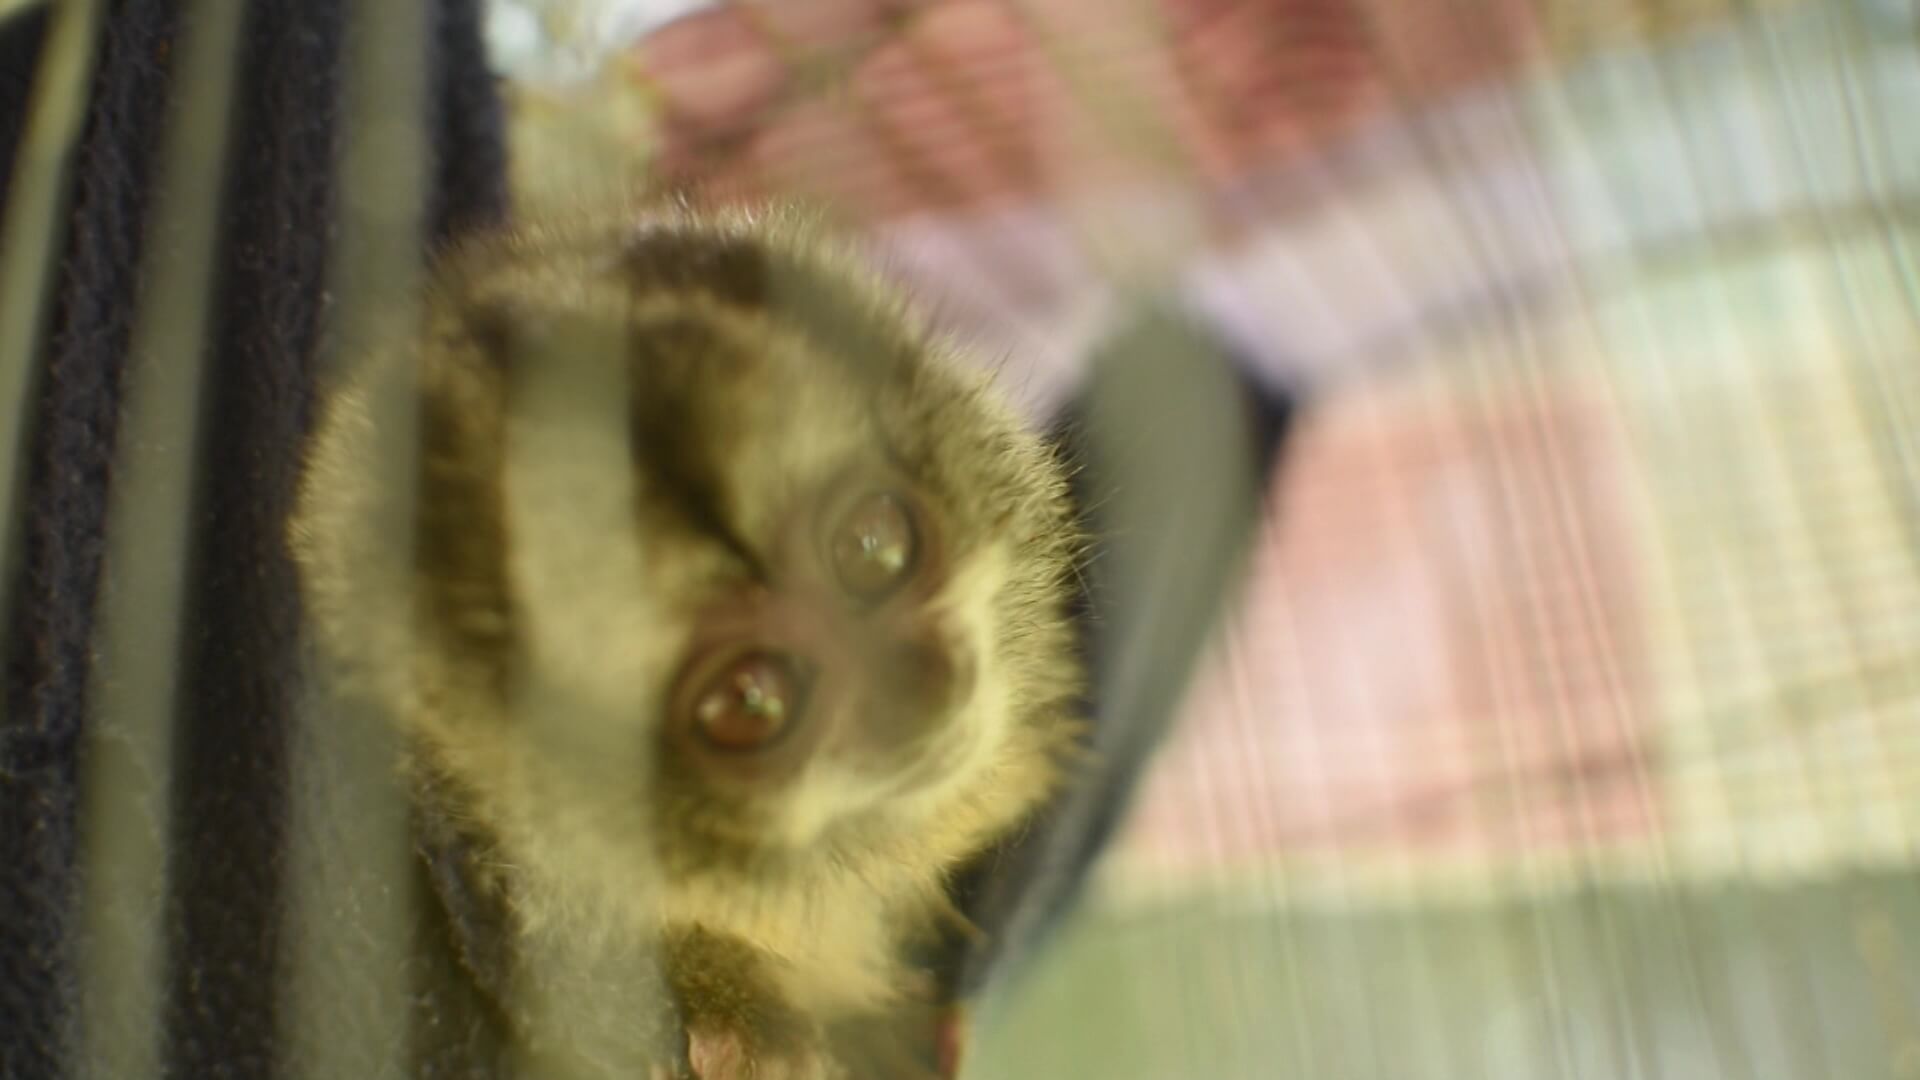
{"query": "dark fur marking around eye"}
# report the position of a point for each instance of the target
(675, 440)
(847, 325)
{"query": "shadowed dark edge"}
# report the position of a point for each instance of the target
(1019, 892)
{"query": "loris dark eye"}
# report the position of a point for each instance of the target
(749, 703)
(874, 546)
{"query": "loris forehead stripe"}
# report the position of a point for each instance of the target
(679, 431)
(837, 319)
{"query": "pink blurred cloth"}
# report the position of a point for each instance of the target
(1438, 649)
(893, 107)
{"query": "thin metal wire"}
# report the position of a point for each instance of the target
(1723, 1039)
(1775, 414)
(1507, 322)
(1727, 1049)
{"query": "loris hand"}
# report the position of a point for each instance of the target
(721, 1052)
(915, 1043)
(737, 1025)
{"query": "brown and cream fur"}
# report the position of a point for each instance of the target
(760, 366)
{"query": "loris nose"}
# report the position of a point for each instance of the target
(922, 671)
(913, 681)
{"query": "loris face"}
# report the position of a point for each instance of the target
(848, 629)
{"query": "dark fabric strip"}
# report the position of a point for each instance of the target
(468, 172)
(240, 648)
(69, 462)
(244, 658)
(19, 59)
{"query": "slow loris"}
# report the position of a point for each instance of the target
(821, 641)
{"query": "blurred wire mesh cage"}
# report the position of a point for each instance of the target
(1566, 721)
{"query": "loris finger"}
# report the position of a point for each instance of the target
(726, 1054)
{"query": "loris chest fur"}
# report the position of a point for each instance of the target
(819, 629)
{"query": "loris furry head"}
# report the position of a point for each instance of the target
(838, 570)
